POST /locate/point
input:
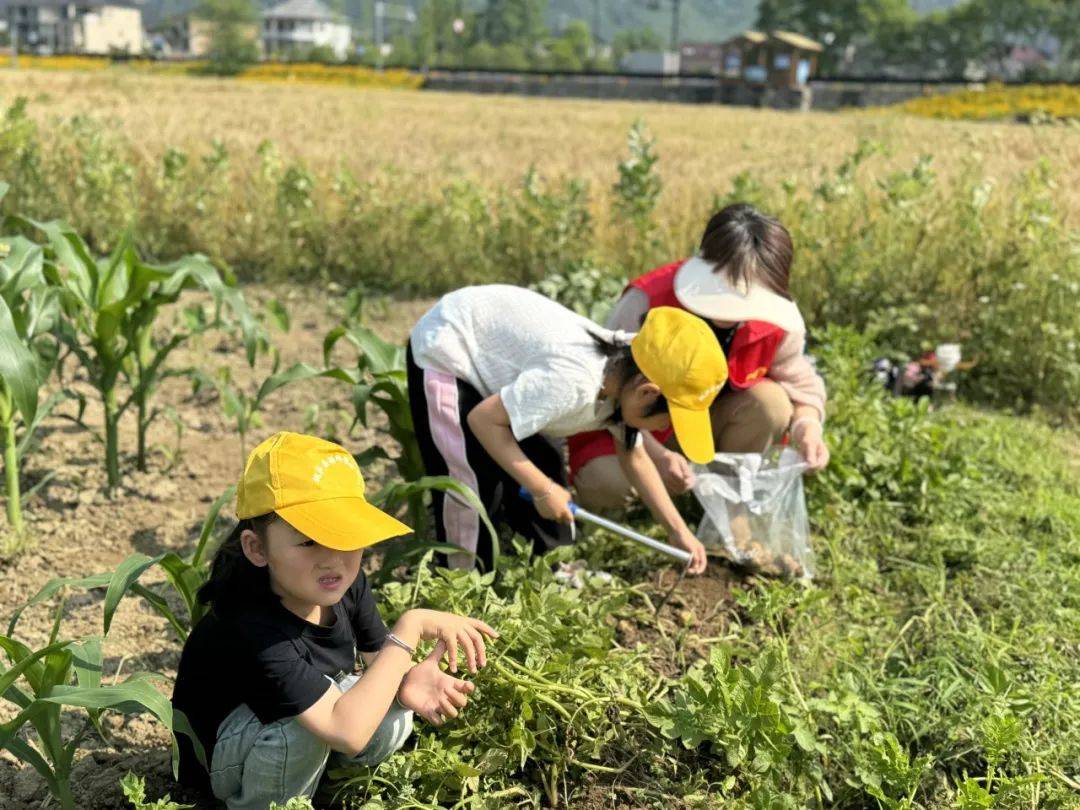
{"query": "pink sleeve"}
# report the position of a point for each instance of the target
(792, 369)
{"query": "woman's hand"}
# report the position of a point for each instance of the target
(698, 559)
(555, 504)
(808, 438)
(675, 472)
(431, 693)
(454, 631)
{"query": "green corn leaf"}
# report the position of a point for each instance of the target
(25, 662)
(278, 314)
(298, 373)
(395, 493)
(378, 356)
(330, 340)
(371, 455)
(125, 574)
(18, 368)
(183, 576)
(161, 605)
(133, 696)
(9, 729)
(72, 257)
(361, 395)
(43, 413)
(116, 276)
(210, 522)
(87, 661)
(27, 753)
(22, 268)
(181, 725)
(56, 671)
(233, 299)
(54, 585)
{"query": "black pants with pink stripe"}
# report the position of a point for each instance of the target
(440, 404)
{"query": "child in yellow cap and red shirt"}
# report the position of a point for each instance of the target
(268, 678)
(499, 375)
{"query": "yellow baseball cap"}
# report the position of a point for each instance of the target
(679, 352)
(316, 487)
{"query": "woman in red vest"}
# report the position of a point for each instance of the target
(739, 283)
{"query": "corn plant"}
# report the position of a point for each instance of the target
(145, 368)
(380, 380)
(27, 313)
(111, 305)
(243, 408)
(40, 683)
(395, 493)
(184, 575)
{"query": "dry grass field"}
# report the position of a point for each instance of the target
(429, 137)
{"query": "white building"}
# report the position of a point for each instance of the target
(657, 62)
(89, 26)
(299, 25)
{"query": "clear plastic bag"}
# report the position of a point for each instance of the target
(755, 511)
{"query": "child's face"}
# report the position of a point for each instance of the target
(635, 401)
(302, 572)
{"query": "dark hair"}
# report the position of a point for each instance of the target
(234, 579)
(621, 361)
(749, 246)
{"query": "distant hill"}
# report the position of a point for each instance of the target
(925, 6)
(700, 20)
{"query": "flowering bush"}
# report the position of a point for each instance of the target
(1035, 103)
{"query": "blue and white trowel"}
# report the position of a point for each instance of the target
(623, 531)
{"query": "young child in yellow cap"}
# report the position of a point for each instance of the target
(498, 375)
(268, 678)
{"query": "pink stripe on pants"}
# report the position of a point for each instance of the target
(460, 520)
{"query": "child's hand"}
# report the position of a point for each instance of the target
(698, 559)
(555, 505)
(453, 630)
(431, 693)
(812, 446)
(675, 471)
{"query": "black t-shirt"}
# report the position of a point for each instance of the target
(264, 655)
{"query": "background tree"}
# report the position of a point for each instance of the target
(517, 21)
(233, 29)
(436, 42)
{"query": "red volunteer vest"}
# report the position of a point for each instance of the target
(754, 346)
(749, 358)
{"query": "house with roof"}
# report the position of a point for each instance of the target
(297, 26)
(701, 58)
(87, 26)
(774, 59)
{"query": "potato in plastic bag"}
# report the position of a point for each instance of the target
(755, 511)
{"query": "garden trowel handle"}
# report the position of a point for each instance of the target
(623, 531)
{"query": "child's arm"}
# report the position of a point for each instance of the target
(673, 467)
(808, 434)
(347, 721)
(642, 475)
(490, 423)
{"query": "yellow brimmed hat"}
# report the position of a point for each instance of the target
(679, 352)
(316, 487)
